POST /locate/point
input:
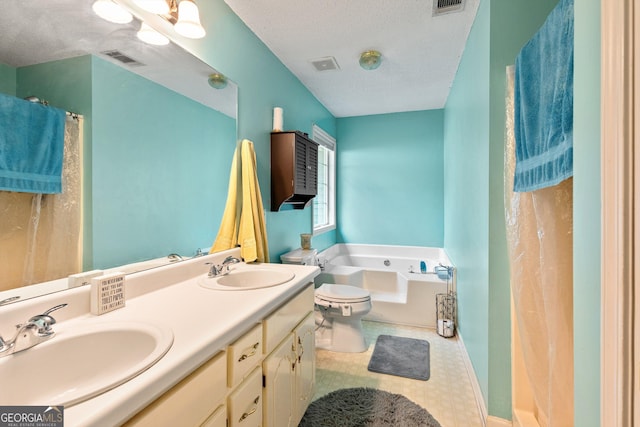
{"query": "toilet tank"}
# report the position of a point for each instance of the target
(300, 256)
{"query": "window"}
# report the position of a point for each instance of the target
(324, 204)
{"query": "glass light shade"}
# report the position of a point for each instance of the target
(151, 36)
(217, 81)
(188, 24)
(159, 7)
(108, 10)
(370, 60)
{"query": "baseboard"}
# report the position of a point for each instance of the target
(482, 407)
(497, 422)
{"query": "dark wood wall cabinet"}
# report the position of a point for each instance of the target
(294, 169)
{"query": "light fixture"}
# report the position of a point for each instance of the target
(370, 59)
(188, 24)
(217, 81)
(151, 36)
(159, 7)
(184, 16)
(112, 12)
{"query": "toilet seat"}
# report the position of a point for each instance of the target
(331, 292)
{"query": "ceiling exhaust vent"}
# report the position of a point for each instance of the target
(121, 57)
(440, 7)
(325, 64)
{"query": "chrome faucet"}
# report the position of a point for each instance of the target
(35, 331)
(222, 269)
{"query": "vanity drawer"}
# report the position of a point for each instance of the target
(244, 355)
(245, 403)
(282, 321)
(191, 401)
(217, 419)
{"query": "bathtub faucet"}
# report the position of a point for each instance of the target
(35, 331)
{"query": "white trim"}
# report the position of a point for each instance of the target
(617, 110)
(323, 138)
(329, 143)
(475, 385)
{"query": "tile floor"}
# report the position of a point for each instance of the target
(447, 395)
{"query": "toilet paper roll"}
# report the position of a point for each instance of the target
(277, 119)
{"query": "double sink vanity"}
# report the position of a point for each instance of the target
(192, 346)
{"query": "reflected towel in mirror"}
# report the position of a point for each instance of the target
(31, 146)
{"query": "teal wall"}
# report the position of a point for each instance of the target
(147, 153)
(586, 214)
(476, 238)
(264, 83)
(160, 168)
(466, 207)
(390, 179)
(7, 80)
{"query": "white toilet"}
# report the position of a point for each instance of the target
(339, 309)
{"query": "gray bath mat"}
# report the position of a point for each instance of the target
(403, 357)
(366, 407)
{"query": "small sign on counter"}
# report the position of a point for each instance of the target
(107, 293)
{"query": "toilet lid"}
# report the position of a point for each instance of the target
(342, 293)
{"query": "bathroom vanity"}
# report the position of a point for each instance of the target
(238, 357)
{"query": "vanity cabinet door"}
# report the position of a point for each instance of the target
(279, 369)
(217, 419)
(305, 373)
(190, 402)
(245, 403)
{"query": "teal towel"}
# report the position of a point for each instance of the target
(543, 98)
(31, 146)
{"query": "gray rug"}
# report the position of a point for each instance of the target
(366, 407)
(403, 357)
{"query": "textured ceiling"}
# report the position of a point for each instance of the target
(420, 52)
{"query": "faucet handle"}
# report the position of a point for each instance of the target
(43, 321)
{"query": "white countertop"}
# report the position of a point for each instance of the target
(203, 321)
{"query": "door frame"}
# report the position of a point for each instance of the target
(620, 235)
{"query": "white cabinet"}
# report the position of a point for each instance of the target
(245, 402)
(305, 372)
(289, 370)
(218, 418)
(192, 401)
(278, 370)
(244, 355)
(265, 378)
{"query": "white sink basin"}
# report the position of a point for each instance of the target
(248, 277)
(81, 362)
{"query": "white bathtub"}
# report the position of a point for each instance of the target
(399, 292)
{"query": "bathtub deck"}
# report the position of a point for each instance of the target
(447, 395)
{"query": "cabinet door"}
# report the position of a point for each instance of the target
(278, 370)
(306, 173)
(191, 401)
(305, 374)
(217, 419)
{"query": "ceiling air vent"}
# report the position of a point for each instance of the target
(121, 57)
(440, 7)
(325, 64)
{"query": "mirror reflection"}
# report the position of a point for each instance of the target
(156, 140)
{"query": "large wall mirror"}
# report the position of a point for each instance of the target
(157, 135)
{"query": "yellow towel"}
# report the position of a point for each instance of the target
(228, 233)
(243, 222)
(252, 235)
